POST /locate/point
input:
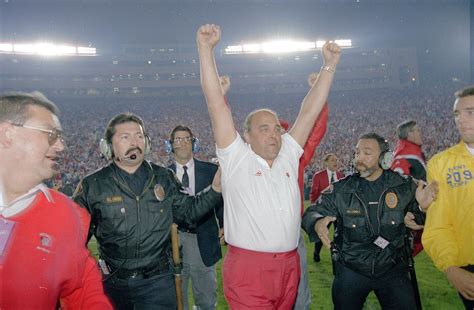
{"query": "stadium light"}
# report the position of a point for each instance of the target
(46, 49)
(282, 46)
(346, 43)
(7, 47)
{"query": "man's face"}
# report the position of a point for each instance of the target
(128, 144)
(367, 157)
(415, 135)
(464, 118)
(264, 135)
(38, 155)
(182, 146)
(331, 163)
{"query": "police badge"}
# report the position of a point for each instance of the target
(391, 200)
(159, 192)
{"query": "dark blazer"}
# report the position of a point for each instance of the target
(207, 229)
(320, 183)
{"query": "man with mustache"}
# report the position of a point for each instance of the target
(368, 209)
(133, 203)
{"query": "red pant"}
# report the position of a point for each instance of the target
(258, 280)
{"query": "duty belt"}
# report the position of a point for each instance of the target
(163, 266)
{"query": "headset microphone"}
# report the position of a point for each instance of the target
(129, 157)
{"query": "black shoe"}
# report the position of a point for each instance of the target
(316, 257)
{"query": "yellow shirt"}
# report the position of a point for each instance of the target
(448, 237)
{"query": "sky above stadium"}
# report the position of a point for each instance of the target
(440, 30)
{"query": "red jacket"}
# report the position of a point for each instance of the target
(408, 159)
(46, 259)
(320, 183)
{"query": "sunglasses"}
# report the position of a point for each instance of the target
(53, 134)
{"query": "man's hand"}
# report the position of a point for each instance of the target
(225, 83)
(208, 35)
(411, 223)
(216, 182)
(321, 229)
(312, 79)
(331, 54)
(222, 237)
(462, 280)
(425, 195)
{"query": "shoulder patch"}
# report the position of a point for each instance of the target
(79, 189)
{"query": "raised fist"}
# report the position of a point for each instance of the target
(331, 53)
(208, 35)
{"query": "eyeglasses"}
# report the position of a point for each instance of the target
(53, 134)
(184, 139)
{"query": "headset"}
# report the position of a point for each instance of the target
(169, 143)
(386, 155)
(105, 144)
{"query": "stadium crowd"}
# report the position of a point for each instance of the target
(351, 114)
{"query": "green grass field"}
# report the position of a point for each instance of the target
(436, 292)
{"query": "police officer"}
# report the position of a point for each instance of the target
(133, 203)
(368, 209)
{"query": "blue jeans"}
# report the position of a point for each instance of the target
(393, 289)
(156, 292)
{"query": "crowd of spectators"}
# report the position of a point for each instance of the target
(352, 113)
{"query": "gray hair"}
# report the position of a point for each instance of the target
(14, 107)
(248, 119)
(404, 128)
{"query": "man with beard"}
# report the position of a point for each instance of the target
(133, 203)
(449, 230)
(368, 209)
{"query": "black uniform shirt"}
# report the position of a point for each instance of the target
(371, 192)
(136, 181)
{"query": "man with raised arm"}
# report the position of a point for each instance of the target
(260, 186)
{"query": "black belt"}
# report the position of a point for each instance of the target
(163, 266)
(188, 230)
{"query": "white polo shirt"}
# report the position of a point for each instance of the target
(262, 204)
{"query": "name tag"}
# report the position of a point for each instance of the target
(114, 199)
(6, 228)
(381, 242)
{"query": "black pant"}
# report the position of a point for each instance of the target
(468, 304)
(318, 245)
(137, 293)
(393, 289)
